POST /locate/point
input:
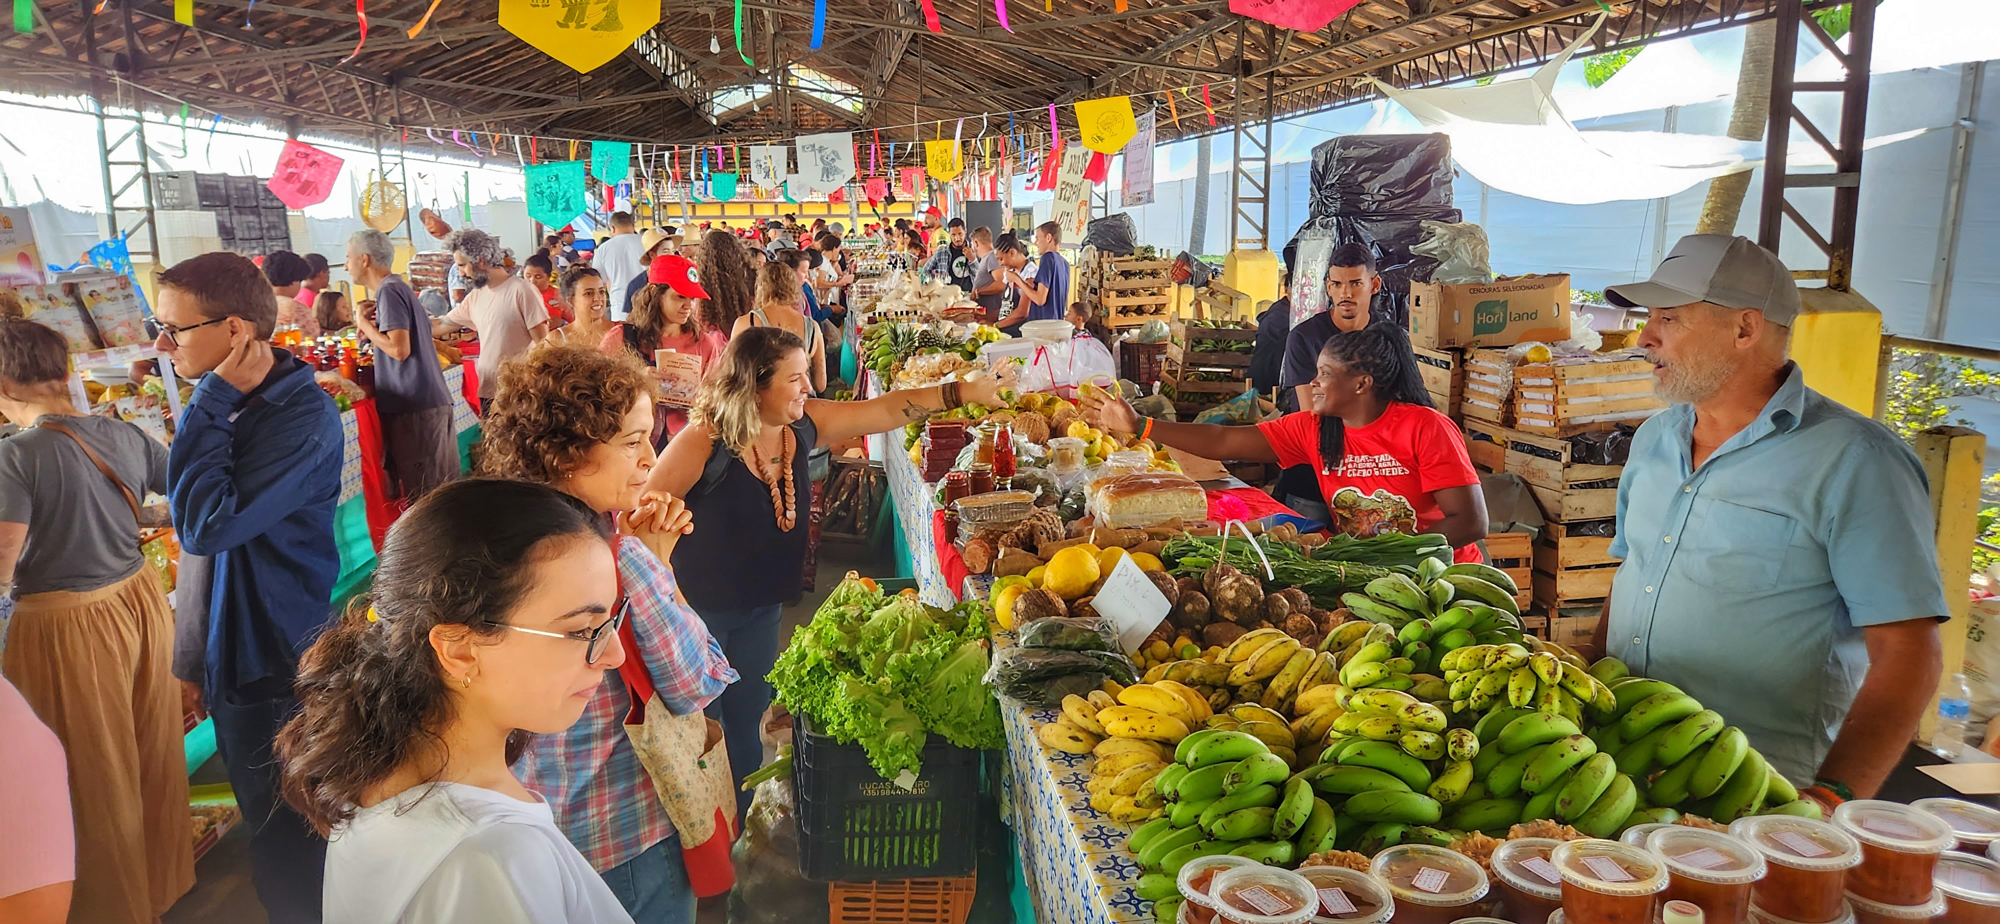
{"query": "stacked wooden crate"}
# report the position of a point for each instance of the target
(1203, 376)
(1514, 554)
(1577, 395)
(1132, 291)
(1488, 387)
(1486, 444)
(1579, 503)
(1443, 372)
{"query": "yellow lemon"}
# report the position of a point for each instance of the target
(1147, 561)
(1108, 559)
(1071, 572)
(1079, 429)
(1036, 573)
(1003, 603)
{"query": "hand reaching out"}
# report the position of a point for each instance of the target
(1107, 412)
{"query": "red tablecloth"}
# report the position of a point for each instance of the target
(382, 511)
(471, 388)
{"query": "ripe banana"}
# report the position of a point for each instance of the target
(1381, 702)
(1113, 746)
(1521, 686)
(1532, 730)
(1273, 734)
(1609, 670)
(1129, 780)
(1081, 713)
(1450, 786)
(1248, 642)
(1423, 745)
(1313, 726)
(1116, 763)
(1198, 709)
(1135, 722)
(1266, 663)
(1285, 684)
(1314, 698)
(1157, 699)
(1422, 717)
(1066, 738)
(1461, 744)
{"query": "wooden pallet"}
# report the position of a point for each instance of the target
(1443, 373)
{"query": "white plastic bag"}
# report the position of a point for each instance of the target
(1060, 367)
(1460, 249)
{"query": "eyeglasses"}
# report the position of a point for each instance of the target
(174, 333)
(594, 639)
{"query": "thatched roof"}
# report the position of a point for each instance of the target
(281, 62)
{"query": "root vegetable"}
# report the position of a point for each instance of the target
(1049, 549)
(1298, 625)
(1151, 547)
(1168, 587)
(1038, 604)
(1105, 537)
(978, 555)
(1221, 633)
(1014, 561)
(1192, 610)
(1238, 599)
(1276, 607)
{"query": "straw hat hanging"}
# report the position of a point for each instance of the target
(382, 205)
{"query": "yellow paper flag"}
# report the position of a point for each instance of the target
(1106, 123)
(184, 12)
(582, 35)
(944, 159)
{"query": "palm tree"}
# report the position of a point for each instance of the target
(1747, 118)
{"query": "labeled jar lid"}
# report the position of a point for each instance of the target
(1799, 843)
(1523, 864)
(1420, 874)
(1931, 908)
(1966, 878)
(1680, 912)
(1706, 856)
(1976, 825)
(1198, 874)
(1259, 894)
(1609, 867)
(1347, 895)
(1760, 916)
(1636, 835)
(1894, 826)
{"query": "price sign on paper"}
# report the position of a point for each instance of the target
(1607, 869)
(1800, 844)
(1138, 189)
(1131, 604)
(1335, 901)
(825, 161)
(555, 192)
(1543, 870)
(1705, 858)
(1072, 195)
(304, 175)
(1431, 880)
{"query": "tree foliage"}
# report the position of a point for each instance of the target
(1597, 69)
(1922, 387)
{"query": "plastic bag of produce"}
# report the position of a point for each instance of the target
(1061, 367)
(1982, 660)
(1460, 249)
(1043, 676)
(1246, 408)
(1069, 634)
(769, 889)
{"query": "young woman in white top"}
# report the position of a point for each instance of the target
(496, 608)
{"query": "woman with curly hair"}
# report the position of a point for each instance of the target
(741, 465)
(577, 420)
(724, 264)
(495, 612)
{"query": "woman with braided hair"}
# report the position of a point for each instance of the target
(1370, 425)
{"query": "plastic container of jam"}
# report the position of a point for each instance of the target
(1258, 894)
(1971, 887)
(1529, 885)
(1976, 826)
(1636, 835)
(1431, 885)
(1899, 848)
(1874, 912)
(1807, 865)
(1711, 870)
(1606, 882)
(1348, 896)
(1199, 873)
(1676, 911)
(1192, 913)
(1760, 916)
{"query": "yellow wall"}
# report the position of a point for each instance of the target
(1837, 342)
(740, 213)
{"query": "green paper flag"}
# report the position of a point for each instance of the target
(722, 186)
(555, 192)
(610, 161)
(24, 16)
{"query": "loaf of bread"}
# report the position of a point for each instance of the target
(1147, 499)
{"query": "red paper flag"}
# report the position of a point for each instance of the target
(304, 175)
(1301, 15)
(931, 20)
(1100, 167)
(360, 13)
(876, 189)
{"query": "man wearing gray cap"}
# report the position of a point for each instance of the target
(1780, 563)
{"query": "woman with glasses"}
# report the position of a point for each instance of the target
(494, 613)
(575, 419)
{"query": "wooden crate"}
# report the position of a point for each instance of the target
(1513, 553)
(1566, 398)
(1571, 630)
(1219, 301)
(1185, 334)
(1134, 307)
(1573, 586)
(1488, 455)
(1443, 372)
(1546, 461)
(1558, 550)
(1570, 505)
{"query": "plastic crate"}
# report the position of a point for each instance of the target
(276, 225)
(243, 191)
(909, 901)
(855, 826)
(268, 199)
(1142, 363)
(176, 190)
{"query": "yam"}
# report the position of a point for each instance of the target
(1297, 625)
(1105, 537)
(1168, 587)
(978, 555)
(1193, 611)
(1276, 607)
(1238, 599)
(1163, 533)
(1301, 601)
(1311, 541)
(1049, 549)
(1014, 561)
(1221, 633)
(1151, 547)
(1190, 585)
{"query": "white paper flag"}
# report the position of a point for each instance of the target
(1139, 165)
(826, 161)
(768, 164)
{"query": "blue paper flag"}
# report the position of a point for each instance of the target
(722, 186)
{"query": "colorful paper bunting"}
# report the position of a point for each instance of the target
(819, 23)
(931, 20)
(739, 35)
(826, 161)
(1301, 15)
(555, 192)
(184, 14)
(944, 159)
(1106, 123)
(421, 23)
(722, 186)
(582, 35)
(610, 161)
(360, 13)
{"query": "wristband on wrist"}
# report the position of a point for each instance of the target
(1823, 791)
(948, 392)
(1146, 431)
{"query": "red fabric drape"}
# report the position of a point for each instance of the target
(382, 511)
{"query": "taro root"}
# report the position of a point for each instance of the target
(1165, 582)
(1081, 609)
(1038, 604)
(1298, 625)
(1301, 601)
(1276, 607)
(1221, 634)
(1237, 598)
(1192, 611)
(1191, 585)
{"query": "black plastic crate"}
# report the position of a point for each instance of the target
(275, 223)
(855, 826)
(226, 229)
(212, 189)
(176, 190)
(243, 191)
(268, 199)
(275, 244)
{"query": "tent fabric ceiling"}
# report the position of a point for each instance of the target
(285, 62)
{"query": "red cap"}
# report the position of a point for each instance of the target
(678, 272)
(933, 211)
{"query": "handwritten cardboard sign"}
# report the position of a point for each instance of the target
(680, 376)
(826, 161)
(304, 175)
(1131, 604)
(555, 192)
(1106, 123)
(1072, 193)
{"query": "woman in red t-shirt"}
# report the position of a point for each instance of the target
(1371, 426)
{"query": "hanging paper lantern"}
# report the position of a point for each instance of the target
(382, 205)
(580, 33)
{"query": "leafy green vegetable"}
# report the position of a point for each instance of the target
(885, 672)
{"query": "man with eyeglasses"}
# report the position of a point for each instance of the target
(252, 477)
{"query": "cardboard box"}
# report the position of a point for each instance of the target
(1499, 313)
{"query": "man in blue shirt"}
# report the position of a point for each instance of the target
(1780, 558)
(1046, 295)
(252, 478)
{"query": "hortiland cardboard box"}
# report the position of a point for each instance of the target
(1491, 314)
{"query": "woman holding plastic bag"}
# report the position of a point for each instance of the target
(1370, 427)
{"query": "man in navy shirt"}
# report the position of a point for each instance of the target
(252, 477)
(1047, 294)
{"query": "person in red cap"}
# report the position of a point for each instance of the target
(663, 318)
(933, 221)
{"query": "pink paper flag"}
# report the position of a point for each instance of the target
(1301, 15)
(877, 189)
(304, 175)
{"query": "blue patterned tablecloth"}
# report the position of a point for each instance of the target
(914, 508)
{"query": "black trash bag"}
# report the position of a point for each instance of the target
(1115, 235)
(769, 887)
(1198, 272)
(1373, 174)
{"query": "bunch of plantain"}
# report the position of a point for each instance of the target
(1131, 736)
(1688, 758)
(1538, 675)
(1228, 791)
(1444, 607)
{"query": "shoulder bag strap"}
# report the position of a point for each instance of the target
(97, 460)
(633, 671)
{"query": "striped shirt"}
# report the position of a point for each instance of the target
(593, 781)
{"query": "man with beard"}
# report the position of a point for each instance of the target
(1351, 287)
(503, 310)
(1780, 560)
(950, 262)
